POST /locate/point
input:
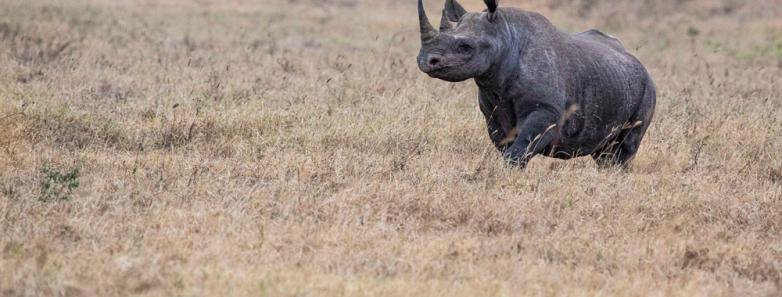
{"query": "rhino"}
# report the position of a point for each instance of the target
(542, 90)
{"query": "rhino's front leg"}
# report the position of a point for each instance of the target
(496, 135)
(493, 126)
(535, 132)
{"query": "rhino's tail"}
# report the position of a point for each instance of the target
(645, 110)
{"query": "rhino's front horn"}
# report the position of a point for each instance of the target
(427, 31)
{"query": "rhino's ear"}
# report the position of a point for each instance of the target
(453, 10)
(492, 6)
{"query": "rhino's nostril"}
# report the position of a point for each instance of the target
(434, 61)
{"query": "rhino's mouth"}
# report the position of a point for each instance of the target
(441, 70)
(448, 74)
(446, 68)
(438, 68)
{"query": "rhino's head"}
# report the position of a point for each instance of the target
(460, 52)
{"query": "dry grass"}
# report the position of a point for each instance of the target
(292, 148)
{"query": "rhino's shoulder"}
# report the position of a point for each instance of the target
(597, 36)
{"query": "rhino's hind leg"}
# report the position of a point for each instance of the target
(620, 151)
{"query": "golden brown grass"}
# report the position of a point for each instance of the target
(292, 148)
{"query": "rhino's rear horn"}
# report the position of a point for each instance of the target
(427, 31)
(445, 24)
(453, 10)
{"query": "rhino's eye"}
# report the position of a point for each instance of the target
(464, 48)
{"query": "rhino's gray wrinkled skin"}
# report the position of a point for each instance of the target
(542, 91)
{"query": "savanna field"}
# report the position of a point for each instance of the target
(293, 148)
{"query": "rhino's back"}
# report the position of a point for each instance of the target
(600, 37)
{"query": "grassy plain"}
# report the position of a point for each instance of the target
(292, 148)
